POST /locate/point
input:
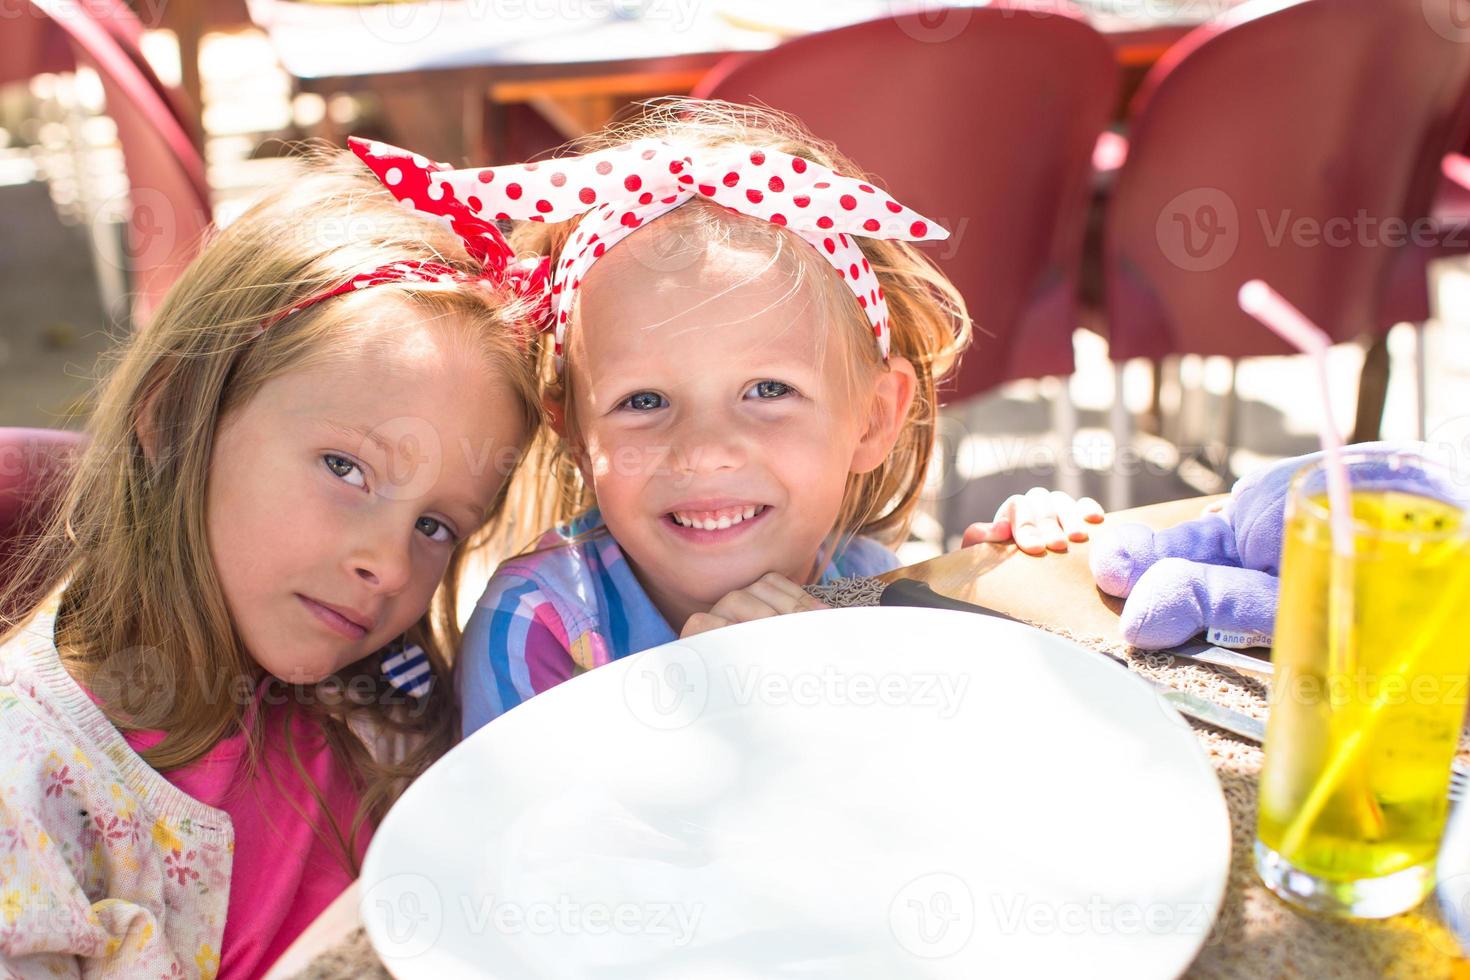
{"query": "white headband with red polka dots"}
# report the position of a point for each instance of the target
(620, 189)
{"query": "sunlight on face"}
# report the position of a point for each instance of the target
(719, 405)
(336, 495)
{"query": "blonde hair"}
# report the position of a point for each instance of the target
(127, 549)
(930, 327)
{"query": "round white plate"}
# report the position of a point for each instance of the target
(851, 793)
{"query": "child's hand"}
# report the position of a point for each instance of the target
(771, 595)
(1038, 520)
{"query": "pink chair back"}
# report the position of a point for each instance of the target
(34, 466)
(1291, 140)
(168, 207)
(30, 46)
(119, 20)
(987, 127)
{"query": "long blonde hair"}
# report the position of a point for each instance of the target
(927, 314)
(127, 554)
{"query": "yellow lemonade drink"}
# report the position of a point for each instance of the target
(1365, 716)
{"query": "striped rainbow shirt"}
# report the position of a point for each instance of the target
(569, 606)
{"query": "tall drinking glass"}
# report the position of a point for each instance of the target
(1372, 654)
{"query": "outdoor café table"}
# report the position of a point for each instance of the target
(1255, 934)
(454, 62)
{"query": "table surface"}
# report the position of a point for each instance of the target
(509, 38)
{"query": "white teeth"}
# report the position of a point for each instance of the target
(711, 524)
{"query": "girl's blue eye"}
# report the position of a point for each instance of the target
(433, 527)
(770, 389)
(342, 468)
(645, 401)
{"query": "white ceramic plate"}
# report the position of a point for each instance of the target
(850, 793)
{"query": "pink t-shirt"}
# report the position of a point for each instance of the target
(284, 873)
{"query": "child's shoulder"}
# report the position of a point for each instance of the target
(51, 730)
(863, 556)
(78, 803)
(33, 708)
(567, 562)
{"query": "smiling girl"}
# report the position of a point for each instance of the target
(745, 356)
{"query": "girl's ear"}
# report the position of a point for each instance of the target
(889, 408)
(556, 417)
(556, 413)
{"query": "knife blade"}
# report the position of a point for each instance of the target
(1210, 713)
(913, 592)
(1221, 657)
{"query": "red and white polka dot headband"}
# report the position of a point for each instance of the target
(527, 279)
(620, 189)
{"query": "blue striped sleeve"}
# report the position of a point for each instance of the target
(493, 673)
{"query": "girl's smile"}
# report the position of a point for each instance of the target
(716, 523)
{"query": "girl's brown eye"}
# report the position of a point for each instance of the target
(344, 469)
(435, 529)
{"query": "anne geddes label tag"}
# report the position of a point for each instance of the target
(1237, 639)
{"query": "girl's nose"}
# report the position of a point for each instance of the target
(384, 562)
(708, 446)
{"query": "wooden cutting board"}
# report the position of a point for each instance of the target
(1053, 589)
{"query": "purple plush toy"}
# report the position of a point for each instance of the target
(1216, 573)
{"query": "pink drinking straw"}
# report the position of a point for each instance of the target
(1288, 323)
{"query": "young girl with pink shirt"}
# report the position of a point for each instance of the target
(232, 646)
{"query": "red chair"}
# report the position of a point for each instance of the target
(989, 130)
(1257, 142)
(34, 465)
(168, 207)
(29, 46)
(119, 20)
(32, 45)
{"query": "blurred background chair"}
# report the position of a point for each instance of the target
(1004, 168)
(34, 466)
(981, 115)
(168, 203)
(1254, 144)
(1043, 83)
